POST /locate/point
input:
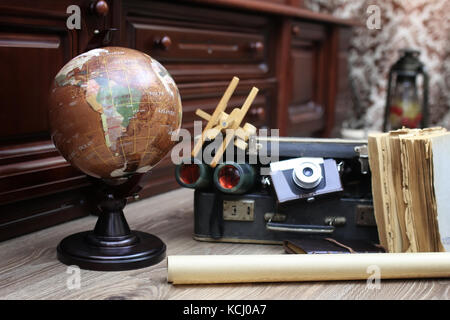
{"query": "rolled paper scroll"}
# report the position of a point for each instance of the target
(321, 267)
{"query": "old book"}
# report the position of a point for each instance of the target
(409, 181)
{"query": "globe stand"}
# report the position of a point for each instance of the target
(112, 246)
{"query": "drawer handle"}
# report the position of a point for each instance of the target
(295, 30)
(257, 46)
(100, 8)
(165, 42)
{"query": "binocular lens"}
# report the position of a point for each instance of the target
(193, 175)
(234, 178)
(229, 176)
(189, 173)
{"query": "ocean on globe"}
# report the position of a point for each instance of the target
(112, 111)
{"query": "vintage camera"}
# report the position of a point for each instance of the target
(304, 178)
(318, 188)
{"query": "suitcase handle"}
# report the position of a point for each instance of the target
(300, 228)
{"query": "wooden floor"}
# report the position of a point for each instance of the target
(29, 268)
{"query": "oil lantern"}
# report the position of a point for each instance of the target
(404, 108)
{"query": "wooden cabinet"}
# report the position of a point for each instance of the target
(296, 58)
(343, 105)
(38, 187)
(308, 61)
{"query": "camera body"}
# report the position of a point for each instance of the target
(304, 178)
(318, 188)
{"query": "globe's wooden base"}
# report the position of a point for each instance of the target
(112, 246)
(78, 249)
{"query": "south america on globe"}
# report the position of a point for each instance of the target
(112, 112)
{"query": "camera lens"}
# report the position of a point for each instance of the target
(307, 175)
(307, 172)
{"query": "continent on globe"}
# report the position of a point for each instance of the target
(112, 112)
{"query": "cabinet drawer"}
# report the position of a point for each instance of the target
(173, 44)
(307, 31)
(195, 52)
(203, 54)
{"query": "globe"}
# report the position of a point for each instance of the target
(112, 111)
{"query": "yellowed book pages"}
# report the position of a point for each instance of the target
(385, 197)
(308, 267)
(419, 200)
(418, 189)
(396, 192)
(407, 198)
(390, 197)
(430, 196)
(399, 173)
(377, 192)
(403, 190)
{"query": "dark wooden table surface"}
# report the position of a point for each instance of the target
(29, 268)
